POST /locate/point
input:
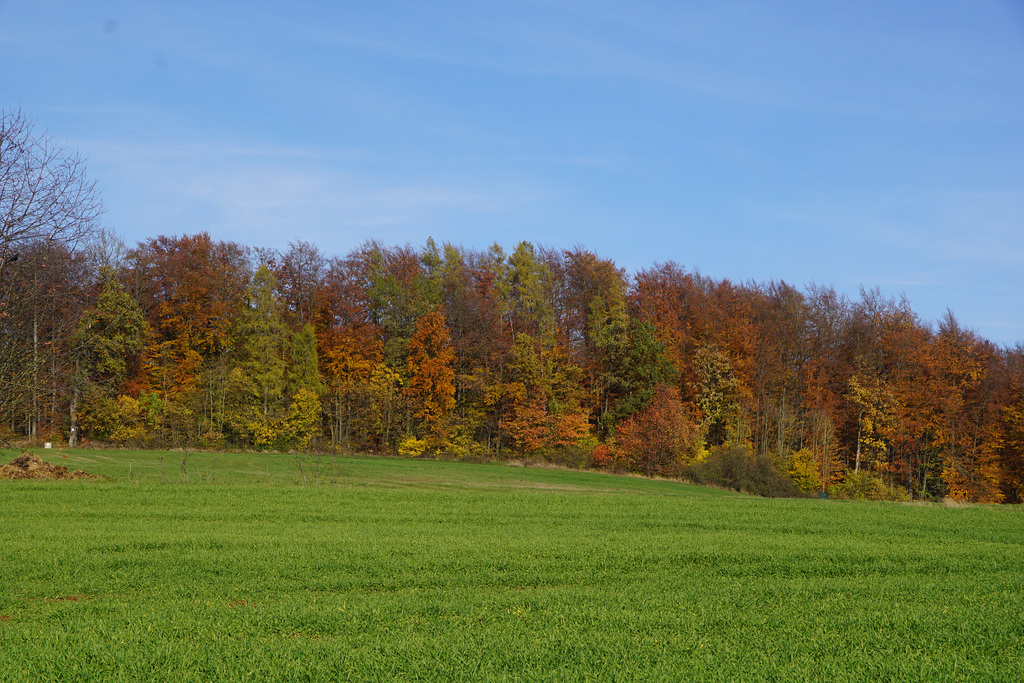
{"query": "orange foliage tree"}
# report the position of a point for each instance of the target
(661, 438)
(431, 387)
(543, 413)
(961, 426)
(190, 289)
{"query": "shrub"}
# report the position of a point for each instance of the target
(573, 457)
(865, 485)
(739, 469)
(413, 447)
(601, 456)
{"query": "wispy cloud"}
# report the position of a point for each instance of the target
(948, 226)
(809, 58)
(267, 195)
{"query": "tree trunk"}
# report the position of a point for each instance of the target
(73, 436)
(34, 422)
(856, 467)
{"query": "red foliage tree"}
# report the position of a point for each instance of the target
(661, 438)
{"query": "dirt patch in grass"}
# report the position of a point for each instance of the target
(31, 466)
(68, 598)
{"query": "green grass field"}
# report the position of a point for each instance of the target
(395, 569)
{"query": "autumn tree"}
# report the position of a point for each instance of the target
(431, 370)
(960, 423)
(662, 296)
(592, 295)
(303, 371)
(111, 333)
(661, 438)
(303, 388)
(1011, 423)
(300, 272)
(875, 407)
(1011, 453)
(190, 289)
(889, 348)
(397, 291)
(826, 370)
(676, 303)
(717, 397)
(780, 361)
(632, 364)
(257, 376)
(362, 396)
(543, 413)
(525, 418)
(474, 289)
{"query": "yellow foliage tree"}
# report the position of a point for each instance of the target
(805, 470)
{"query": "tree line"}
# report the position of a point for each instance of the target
(537, 353)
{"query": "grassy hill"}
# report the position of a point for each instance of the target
(394, 569)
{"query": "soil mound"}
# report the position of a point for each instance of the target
(30, 466)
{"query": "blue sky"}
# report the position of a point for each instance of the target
(842, 143)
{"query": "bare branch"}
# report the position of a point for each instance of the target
(45, 192)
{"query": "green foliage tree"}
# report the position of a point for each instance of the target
(256, 380)
(111, 333)
(634, 364)
(303, 369)
(531, 292)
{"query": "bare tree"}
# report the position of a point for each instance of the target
(45, 193)
(47, 205)
(104, 247)
(47, 293)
